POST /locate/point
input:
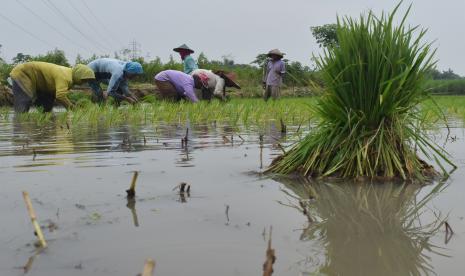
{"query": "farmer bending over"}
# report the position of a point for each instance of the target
(177, 85)
(215, 83)
(116, 74)
(41, 83)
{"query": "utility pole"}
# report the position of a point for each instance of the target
(135, 48)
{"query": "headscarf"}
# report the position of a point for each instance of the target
(204, 79)
(133, 68)
(82, 72)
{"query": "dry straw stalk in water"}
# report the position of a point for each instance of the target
(32, 215)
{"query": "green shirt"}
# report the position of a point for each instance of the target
(189, 64)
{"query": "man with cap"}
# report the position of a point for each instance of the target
(188, 61)
(42, 83)
(116, 74)
(273, 74)
(176, 85)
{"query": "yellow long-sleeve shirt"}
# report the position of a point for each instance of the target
(36, 78)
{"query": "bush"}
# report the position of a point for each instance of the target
(456, 86)
(5, 70)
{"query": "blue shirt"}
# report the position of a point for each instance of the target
(111, 71)
(189, 64)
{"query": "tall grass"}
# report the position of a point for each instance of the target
(369, 115)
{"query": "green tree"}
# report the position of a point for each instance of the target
(21, 58)
(228, 60)
(260, 60)
(326, 35)
(56, 57)
(202, 60)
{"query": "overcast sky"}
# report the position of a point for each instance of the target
(240, 28)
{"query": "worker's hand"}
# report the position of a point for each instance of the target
(71, 107)
(131, 99)
(134, 98)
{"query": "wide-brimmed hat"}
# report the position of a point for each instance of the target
(183, 47)
(229, 78)
(276, 52)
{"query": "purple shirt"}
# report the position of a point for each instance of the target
(274, 72)
(183, 83)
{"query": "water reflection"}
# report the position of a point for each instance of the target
(131, 204)
(366, 229)
(58, 141)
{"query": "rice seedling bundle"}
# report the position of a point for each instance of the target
(369, 122)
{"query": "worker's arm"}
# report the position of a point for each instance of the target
(61, 94)
(189, 93)
(124, 86)
(113, 85)
(97, 90)
(219, 87)
(282, 69)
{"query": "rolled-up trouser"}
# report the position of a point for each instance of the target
(273, 91)
(167, 90)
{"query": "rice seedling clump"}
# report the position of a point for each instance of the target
(369, 122)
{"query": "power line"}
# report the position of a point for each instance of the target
(25, 30)
(88, 22)
(54, 8)
(68, 20)
(97, 19)
(53, 27)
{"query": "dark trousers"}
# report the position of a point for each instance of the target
(23, 102)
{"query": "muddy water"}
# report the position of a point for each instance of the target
(77, 179)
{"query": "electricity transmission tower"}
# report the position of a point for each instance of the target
(135, 48)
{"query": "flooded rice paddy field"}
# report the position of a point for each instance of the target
(77, 180)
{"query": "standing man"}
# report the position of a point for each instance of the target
(273, 74)
(116, 74)
(188, 61)
(41, 84)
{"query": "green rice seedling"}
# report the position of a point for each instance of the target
(245, 112)
(368, 118)
(4, 113)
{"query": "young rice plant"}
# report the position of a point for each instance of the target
(369, 123)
